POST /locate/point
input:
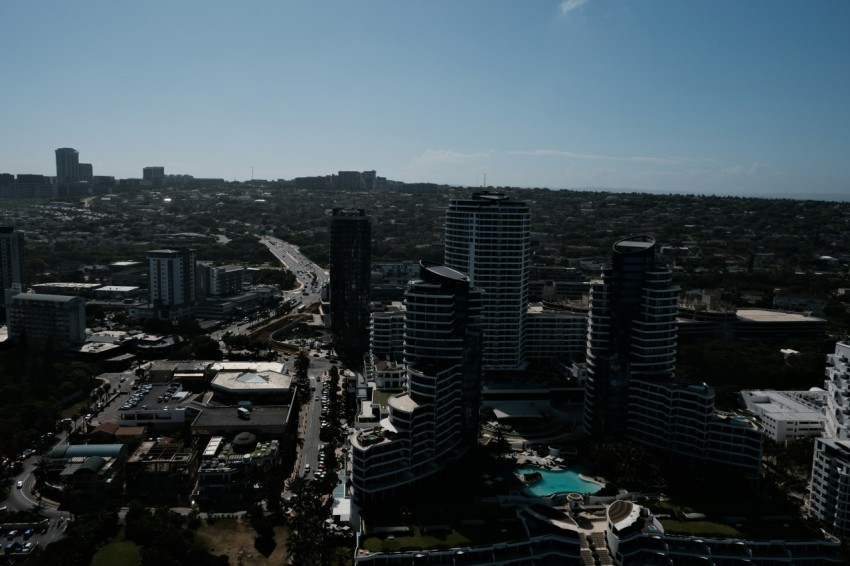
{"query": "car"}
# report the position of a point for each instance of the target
(28, 533)
(20, 484)
(11, 535)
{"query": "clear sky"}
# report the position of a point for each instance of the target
(702, 96)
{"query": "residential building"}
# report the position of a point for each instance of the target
(387, 331)
(11, 258)
(630, 390)
(435, 419)
(631, 333)
(350, 262)
(837, 386)
(67, 165)
(383, 363)
(171, 276)
(553, 333)
(488, 238)
(829, 497)
(57, 321)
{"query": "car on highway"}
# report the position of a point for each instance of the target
(20, 484)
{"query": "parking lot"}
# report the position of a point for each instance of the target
(20, 539)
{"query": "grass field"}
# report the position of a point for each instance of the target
(235, 538)
(118, 553)
(418, 540)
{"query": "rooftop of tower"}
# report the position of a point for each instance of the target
(443, 272)
(634, 244)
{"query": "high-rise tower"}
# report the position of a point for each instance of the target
(631, 333)
(67, 165)
(350, 267)
(488, 237)
(435, 420)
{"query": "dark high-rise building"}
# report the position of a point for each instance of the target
(631, 333)
(350, 271)
(488, 237)
(86, 172)
(67, 165)
(435, 420)
(11, 258)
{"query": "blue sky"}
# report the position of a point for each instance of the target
(725, 97)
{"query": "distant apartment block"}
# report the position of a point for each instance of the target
(171, 275)
(86, 172)
(11, 258)
(58, 321)
(67, 165)
(153, 173)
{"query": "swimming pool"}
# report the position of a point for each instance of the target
(557, 482)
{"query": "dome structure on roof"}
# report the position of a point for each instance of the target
(244, 443)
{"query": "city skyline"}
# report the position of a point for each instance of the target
(698, 97)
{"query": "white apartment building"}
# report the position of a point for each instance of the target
(829, 499)
(435, 419)
(488, 238)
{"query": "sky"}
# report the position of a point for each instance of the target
(699, 96)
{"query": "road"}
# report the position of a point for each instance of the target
(311, 277)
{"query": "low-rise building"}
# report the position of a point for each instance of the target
(163, 470)
(787, 415)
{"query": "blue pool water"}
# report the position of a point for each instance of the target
(558, 481)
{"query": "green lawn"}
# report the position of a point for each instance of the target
(118, 553)
(418, 540)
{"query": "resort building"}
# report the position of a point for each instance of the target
(680, 418)
(435, 419)
(630, 390)
(488, 238)
(555, 334)
(630, 535)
